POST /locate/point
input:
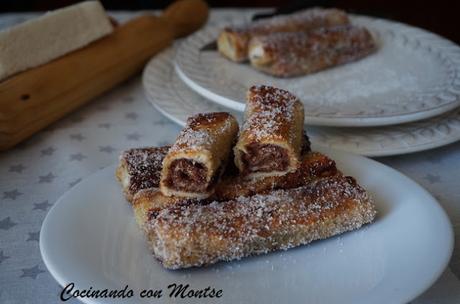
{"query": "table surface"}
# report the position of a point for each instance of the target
(37, 172)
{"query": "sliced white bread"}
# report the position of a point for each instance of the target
(40, 40)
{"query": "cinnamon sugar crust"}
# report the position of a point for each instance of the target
(140, 168)
(199, 155)
(299, 53)
(314, 165)
(189, 235)
(233, 41)
(272, 117)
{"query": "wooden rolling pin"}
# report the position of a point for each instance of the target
(33, 99)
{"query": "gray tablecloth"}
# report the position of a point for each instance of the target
(36, 173)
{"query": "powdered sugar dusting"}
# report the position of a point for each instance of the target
(389, 79)
(303, 20)
(192, 139)
(299, 53)
(315, 40)
(193, 235)
(268, 110)
(198, 132)
(143, 166)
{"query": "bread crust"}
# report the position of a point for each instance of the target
(205, 143)
(273, 118)
(314, 166)
(233, 41)
(188, 235)
(301, 53)
(139, 168)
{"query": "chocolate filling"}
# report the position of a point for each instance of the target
(187, 175)
(264, 158)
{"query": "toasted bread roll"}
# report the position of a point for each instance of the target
(196, 160)
(147, 203)
(233, 41)
(314, 166)
(300, 53)
(271, 139)
(140, 168)
(195, 234)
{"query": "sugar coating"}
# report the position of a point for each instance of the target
(198, 133)
(316, 41)
(197, 234)
(297, 53)
(143, 166)
(268, 111)
(303, 20)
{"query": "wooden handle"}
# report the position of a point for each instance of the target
(186, 16)
(35, 98)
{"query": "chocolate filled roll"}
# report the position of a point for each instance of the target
(300, 53)
(139, 168)
(271, 139)
(233, 41)
(314, 166)
(198, 157)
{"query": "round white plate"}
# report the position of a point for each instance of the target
(175, 100)
(90, 238)
(414, 75)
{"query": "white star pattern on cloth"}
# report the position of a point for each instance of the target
(42, 206)
(106, 149)
(33, 236)
(17, 168)
(3, 257)
(133, 136)
(46, 178)
(7, 223)
(13, 194)
(77, 137)
(32, 272)
(48, 151)
(77, 157)
(104, 125)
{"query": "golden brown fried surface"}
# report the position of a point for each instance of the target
(271, 139)
(233, 41)
(301, 53)
(139, 168)
(196, 234)
(199, 155)
(314, 165)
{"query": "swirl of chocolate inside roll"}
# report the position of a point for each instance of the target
(233, 41)
(198, 157)
(271, 139)
(147, 203)
(300, 53)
